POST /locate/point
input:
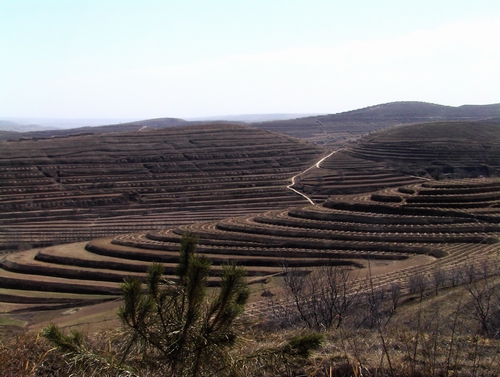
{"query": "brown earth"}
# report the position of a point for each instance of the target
(389, 240)
(430, 223)
(76, 188)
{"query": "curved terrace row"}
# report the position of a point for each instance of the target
(351, 230)
(406, 154)
(460, 148)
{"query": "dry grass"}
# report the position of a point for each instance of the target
(435, 336)
(30, 355)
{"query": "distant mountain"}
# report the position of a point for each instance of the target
(330, 130)
(121, 127)
(11, 126)
(41, 124)
(336, 129)
(6, 125)
(416, 111)
(252, 118)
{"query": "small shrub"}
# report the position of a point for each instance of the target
(177, 328)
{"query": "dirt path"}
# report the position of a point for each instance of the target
(317, 165)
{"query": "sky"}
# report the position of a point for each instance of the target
(147, 59)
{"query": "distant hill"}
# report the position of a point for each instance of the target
(121, 127)
(10, 126)
(330, 130)
(6, 125)
(416, 111)
(251, 118)
(20, 124)
(336, 129)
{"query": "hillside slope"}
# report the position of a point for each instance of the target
(79, 187)
(400, 232)
(455, 149)
(407, 154)
(335, 129)
(330, 130)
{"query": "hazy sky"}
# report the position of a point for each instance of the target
(186, 58)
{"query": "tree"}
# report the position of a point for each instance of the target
(324, 298)
(482, 286)
(175, 328)
(177, 323)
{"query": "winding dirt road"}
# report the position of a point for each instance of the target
(317, 165)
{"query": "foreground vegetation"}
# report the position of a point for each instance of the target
(436, 314)
(173, 328)
(322, 324)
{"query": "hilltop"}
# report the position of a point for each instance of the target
(120, 127)
(335, 129)
(330, 130)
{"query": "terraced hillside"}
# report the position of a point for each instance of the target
(342, 173)
(406, 154)
(333, 130)
(418, 227)
(442, 148)
(81, 187)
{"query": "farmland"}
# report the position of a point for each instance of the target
(134, 194)
(394, 206)
(406, 154)
(447, 223)
(77, 188)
